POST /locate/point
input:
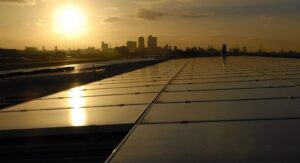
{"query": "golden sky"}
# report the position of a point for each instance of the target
(274, 24)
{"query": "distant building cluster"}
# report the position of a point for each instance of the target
(140, 48)
(151, 50)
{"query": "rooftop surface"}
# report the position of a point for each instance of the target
(184, 110)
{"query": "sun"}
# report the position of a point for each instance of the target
(70, 21)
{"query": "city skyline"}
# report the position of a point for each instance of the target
(272, 24)
(148, 44)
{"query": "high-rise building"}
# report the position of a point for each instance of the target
(224, 50)
(244, 49)
(152, 42)
(104, 47)
(132, 46)
(141, 43)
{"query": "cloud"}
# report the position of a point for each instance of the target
(198, 15)
(26, 24)
(110, 8)
(267, 18)
(149, 14)
(18, 2)
(40, 23)
(111, 20)
(184, 1)
(150, 1)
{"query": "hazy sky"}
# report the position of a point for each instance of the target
(272, 23)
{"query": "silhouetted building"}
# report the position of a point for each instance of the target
(175, 48)
(89, 51)
(235, 51)
(224, 54)
(152, 49)
(167, 51)
(152, 42)
(104, 47)
(244, 50)
(211, 51)
(30, 50)
(9, 53)
(141, 43)
(55, 49)
(132, 46)
(192, 52)
(201, 51)
(224, 50)
(122, 51)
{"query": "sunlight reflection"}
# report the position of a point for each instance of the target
(77, 114)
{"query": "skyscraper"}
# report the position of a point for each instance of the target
(224, 50)
(152, 42)
(104, 46)
(55, 49)
(244, 50)
(141, 43)
(224, 54)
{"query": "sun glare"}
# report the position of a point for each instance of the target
(70, 21)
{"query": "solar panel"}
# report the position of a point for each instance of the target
(236, 141)
(235, 79)
(297, 76)
(237, 94)
(295, 81)
(82, 102)
(123, 85)
(96, 116)
(228, 85)
(216, 76)
(223, 111)
(104, 92)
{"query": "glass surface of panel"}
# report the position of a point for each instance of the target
(71, 117)
(289, 76)
(226, 110)
(82, 102)
(236, 79)
(238, 94)
(218, 76)
(105, 92)
(228, 85)
(270, 141)
(123, 85)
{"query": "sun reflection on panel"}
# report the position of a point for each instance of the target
(77, 114)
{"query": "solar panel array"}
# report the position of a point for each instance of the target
(184, 110)
(117, 100)
(247, 110)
